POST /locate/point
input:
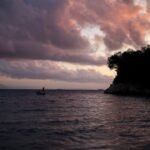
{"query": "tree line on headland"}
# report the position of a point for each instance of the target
(132, 67)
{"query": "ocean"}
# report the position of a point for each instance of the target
(73, 120)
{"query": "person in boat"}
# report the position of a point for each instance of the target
(43, 89)
(41, 92)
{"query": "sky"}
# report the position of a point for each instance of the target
(64, 44)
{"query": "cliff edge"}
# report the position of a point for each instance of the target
(133, 72)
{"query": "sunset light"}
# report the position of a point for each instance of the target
(56, 41)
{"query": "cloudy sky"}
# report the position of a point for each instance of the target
(66, 43)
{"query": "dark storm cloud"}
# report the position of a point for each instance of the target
(42, 70)
(34, 51)
(35, 29)
(48, 29)
(26, 20)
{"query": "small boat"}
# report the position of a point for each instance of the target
(41, 92)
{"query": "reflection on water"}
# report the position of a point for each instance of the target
(70, 120)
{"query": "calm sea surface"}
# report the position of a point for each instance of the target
(73, 120)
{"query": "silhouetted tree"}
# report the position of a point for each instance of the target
(132, 66)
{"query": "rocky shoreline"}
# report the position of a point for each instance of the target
(127, 89)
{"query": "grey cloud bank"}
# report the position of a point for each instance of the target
(36, 70)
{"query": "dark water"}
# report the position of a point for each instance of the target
(73, 120)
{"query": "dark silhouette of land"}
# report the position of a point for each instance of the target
(133, 72)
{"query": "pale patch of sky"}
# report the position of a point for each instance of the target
(95, 37)
(147, 37)
(142, 3)
(104, 70)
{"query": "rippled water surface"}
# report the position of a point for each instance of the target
(73, 120)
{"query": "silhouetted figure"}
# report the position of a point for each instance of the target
(41, 92)
(43, 89)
